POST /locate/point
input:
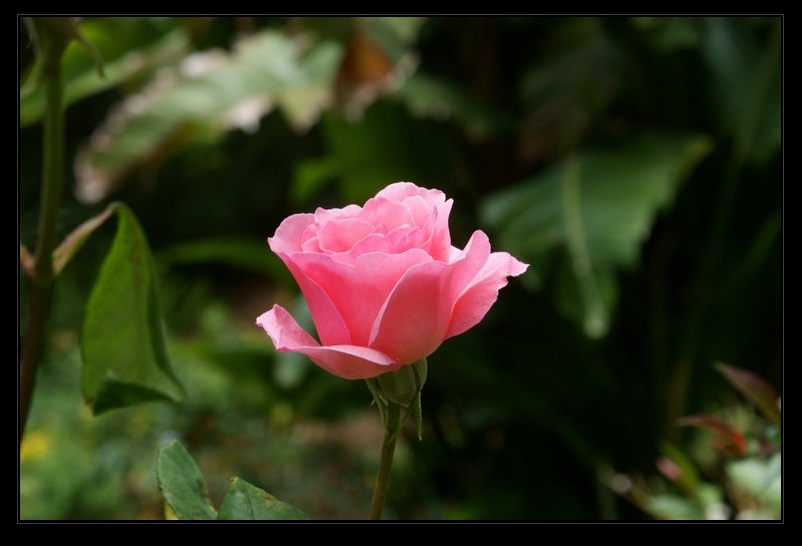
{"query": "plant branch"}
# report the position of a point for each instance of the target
(52, 190)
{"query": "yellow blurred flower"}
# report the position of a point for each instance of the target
(35, 445)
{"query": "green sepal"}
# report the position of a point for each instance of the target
(401, 389)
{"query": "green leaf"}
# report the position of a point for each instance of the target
(597, 206)
(207, 94)
(689, 477)
(385, 143)
(182, 485)
(244, 501)
(567, 92)
(122, 344)
(757, 390)
(745, 78)
(76, 239)
(761, 478)
(130, 48)
(674, 507)
(431, 97)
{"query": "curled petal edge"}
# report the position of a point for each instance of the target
(346, 361)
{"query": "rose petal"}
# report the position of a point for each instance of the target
(323, 216)
(289, 234)
(413, 321)
(482, 291)
(357, 290)
(380, 211)
(341, 235)
(329, 323)
(397, 192)
(346, 361)
(467, 264)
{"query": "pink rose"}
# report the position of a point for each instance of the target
(383, 283)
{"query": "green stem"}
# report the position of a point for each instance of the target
(393, 421)
(52, 190)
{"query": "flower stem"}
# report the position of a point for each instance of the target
(52, 190)
(393, 419)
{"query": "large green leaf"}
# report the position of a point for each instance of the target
(208, 93)
(124, 356)
(182, 485)
(244, 501)
(745, 80)
(598, 206)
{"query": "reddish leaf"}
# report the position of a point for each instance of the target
(730, 442)
(755, 389)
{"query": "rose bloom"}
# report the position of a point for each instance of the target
(384, 285)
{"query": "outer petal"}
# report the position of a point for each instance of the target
(346, 361)
(414, 320)
(359, 290)
(287, 238)
(330, 324)
(477, 298)
(467, 263)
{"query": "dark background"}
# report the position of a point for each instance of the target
(577, 377)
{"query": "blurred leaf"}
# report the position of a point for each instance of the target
(50, 38)
(568, 91)
(599, 206)
(669, 33)
(129, 47)
(182, 485)
(746, 83)
(689, 477)
(762, 478)
(76, 239)
(674, 507)
(394, 33)
(386, 146)
(211, 91)
(431, 97)
(244, 501)
(732, 441)
(756, 255)
(758, 391)
(373, 63)
(122, 343)
(310, 176)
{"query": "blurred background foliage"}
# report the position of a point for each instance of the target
(634, 162)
